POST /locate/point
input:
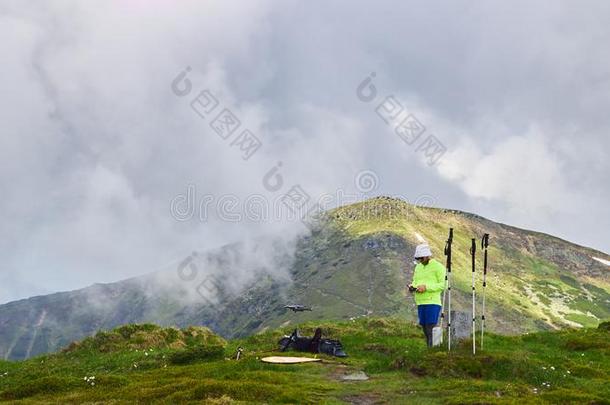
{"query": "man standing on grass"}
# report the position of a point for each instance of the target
(428, 283)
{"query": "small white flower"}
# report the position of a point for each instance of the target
(552, 368)
(145, 354)
(568, 372)
(544, 368)
(92, 383)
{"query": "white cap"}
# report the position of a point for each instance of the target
(422, 250)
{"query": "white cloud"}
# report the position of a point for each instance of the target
(94, 145)
(521, 171)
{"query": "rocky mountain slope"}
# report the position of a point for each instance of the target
(355, 263)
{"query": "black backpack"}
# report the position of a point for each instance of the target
(313, 345)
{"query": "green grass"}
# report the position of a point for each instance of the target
(138, 363)
(535, 282)
(513, 266)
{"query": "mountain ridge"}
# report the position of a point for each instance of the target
(350, 265)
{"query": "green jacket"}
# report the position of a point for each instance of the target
(432, 276)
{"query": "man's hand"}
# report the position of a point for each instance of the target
(421, 288)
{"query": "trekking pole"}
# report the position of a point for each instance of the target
(473, 249)
(447, 290)
(484, 246)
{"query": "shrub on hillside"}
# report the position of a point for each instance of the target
(147, 336)
(197, 353)
(604, 326)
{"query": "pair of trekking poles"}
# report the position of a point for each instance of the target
(447, 290)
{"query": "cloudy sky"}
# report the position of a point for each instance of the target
(99, 138)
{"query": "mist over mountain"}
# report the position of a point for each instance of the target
(356, 262)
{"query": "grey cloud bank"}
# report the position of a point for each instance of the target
(95, 145)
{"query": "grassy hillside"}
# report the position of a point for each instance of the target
(359, 259)
(151, 364)
(356, 262)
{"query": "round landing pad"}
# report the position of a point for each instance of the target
(287, 360)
